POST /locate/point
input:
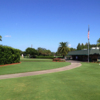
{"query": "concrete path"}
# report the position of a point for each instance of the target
(73, 65)
(73, 61)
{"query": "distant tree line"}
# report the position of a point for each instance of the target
(85, 46)
(37, 52)
(62, 50)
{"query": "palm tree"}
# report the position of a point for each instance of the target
(98, 43)
(0, 38)
(63, 49)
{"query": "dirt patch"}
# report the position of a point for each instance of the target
(10, 64)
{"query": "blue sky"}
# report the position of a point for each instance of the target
(46, 23)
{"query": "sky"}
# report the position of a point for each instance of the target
(46, 23)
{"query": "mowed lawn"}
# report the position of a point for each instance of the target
(31, 66)
(34, 60)
(82, 83)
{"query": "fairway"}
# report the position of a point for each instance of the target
(31, 66)
(82, 83)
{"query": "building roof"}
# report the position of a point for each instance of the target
(84, 52)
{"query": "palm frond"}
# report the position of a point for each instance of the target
(63, 48)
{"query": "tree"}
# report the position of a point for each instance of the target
(48, 52)
(0, 38)
(82, 46)
(39, 51)
(43, 51)
(53, 53)
(31, 51)
(63, 49)
(86, 46)
(72, 49)
(78, 46)
(58, 54)
(98, 43)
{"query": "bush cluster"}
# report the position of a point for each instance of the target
(32, 56)
(41, 57)
(56, 59)
(59, 59)
(9, 55)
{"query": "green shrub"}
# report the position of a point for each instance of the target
(32, 56)
(9, 55)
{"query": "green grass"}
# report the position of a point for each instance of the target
(31, 66)
(35, 60)
(82, 83)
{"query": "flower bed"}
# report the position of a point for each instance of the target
(58, 60)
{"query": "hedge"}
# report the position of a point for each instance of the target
(45, 57)
(9, 55)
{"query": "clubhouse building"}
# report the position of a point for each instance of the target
(82, 55)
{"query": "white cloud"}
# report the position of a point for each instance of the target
(69, 45)
(7, 35)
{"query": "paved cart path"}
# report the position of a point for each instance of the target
(74, 64)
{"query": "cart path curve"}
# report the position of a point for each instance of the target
(73, 65)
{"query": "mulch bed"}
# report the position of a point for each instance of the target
(10, 64)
